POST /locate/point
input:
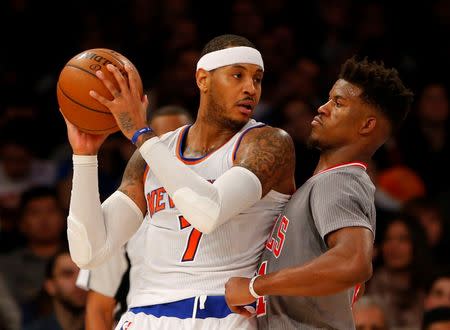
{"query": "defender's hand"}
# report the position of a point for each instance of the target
(237, 295)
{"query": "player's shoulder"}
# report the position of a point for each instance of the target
(349, 178)
(269, 136)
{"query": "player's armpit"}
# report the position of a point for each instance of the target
(269, 153)
(132, 183)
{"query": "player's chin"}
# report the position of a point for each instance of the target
(313, 140)
(236, 123)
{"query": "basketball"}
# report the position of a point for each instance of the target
(75, 81)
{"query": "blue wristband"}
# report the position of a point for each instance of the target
(139, 132)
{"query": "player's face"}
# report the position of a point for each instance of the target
(338, 121)
(235, 91)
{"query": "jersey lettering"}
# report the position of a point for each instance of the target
(157, 200)
(193, 240)
(261, 304)
(275, 244)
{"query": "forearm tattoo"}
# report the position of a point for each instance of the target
(132, 182)
(126, 122)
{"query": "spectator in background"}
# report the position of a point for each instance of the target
(427, 211)
(425, 141)
(437, 319)
(398, 282)
(297, 116)
(400, 184)
(19, 168)
(369, 314)
(68, 300)
(42, 223)
(438, 290)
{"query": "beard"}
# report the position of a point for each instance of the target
(313, 143)
(70, 305)
(216, 115)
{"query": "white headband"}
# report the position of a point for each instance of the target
(229, 56)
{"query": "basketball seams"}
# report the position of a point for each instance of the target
(82, 105)
(82, 69)
(77, 78)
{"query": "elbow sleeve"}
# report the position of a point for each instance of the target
(95, 231)
(206, 206)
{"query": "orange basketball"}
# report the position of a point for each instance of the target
(75, 81)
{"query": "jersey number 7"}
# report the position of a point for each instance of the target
(193, 240)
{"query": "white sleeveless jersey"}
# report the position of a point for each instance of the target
(180, 262)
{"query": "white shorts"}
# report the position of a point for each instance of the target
(199, 313)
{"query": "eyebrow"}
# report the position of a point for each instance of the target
(240, 66)
(336, 97)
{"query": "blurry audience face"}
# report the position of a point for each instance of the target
(369, 318)
(434, 104)
(245, 19)
(298, 120)
(167, 123)
(42, 220)
(308, 72)
(439, 294)
(16, 161)
(397, 248)
(439, 325)
(431, 220)
(62, 284)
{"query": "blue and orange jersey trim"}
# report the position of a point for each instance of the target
(146, 170)
(180, 147)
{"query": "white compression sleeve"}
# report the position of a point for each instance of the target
(206, 206)
(96, 231)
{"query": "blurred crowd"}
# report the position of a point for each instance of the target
(303, 44)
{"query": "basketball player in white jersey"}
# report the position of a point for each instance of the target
(210, 194)
(321, 246)
(111, 285)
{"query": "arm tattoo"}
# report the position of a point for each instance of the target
(269, 153)
(132, 183)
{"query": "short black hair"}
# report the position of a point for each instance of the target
(36, 192)
(439, 314)
(226, 41)
(169, 110)
(436, 275)
(382, 87)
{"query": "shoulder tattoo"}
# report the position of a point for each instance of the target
(269, 153)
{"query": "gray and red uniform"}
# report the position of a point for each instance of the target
(342, 196)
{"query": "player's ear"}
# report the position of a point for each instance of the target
(201, 77)
(368, 125)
